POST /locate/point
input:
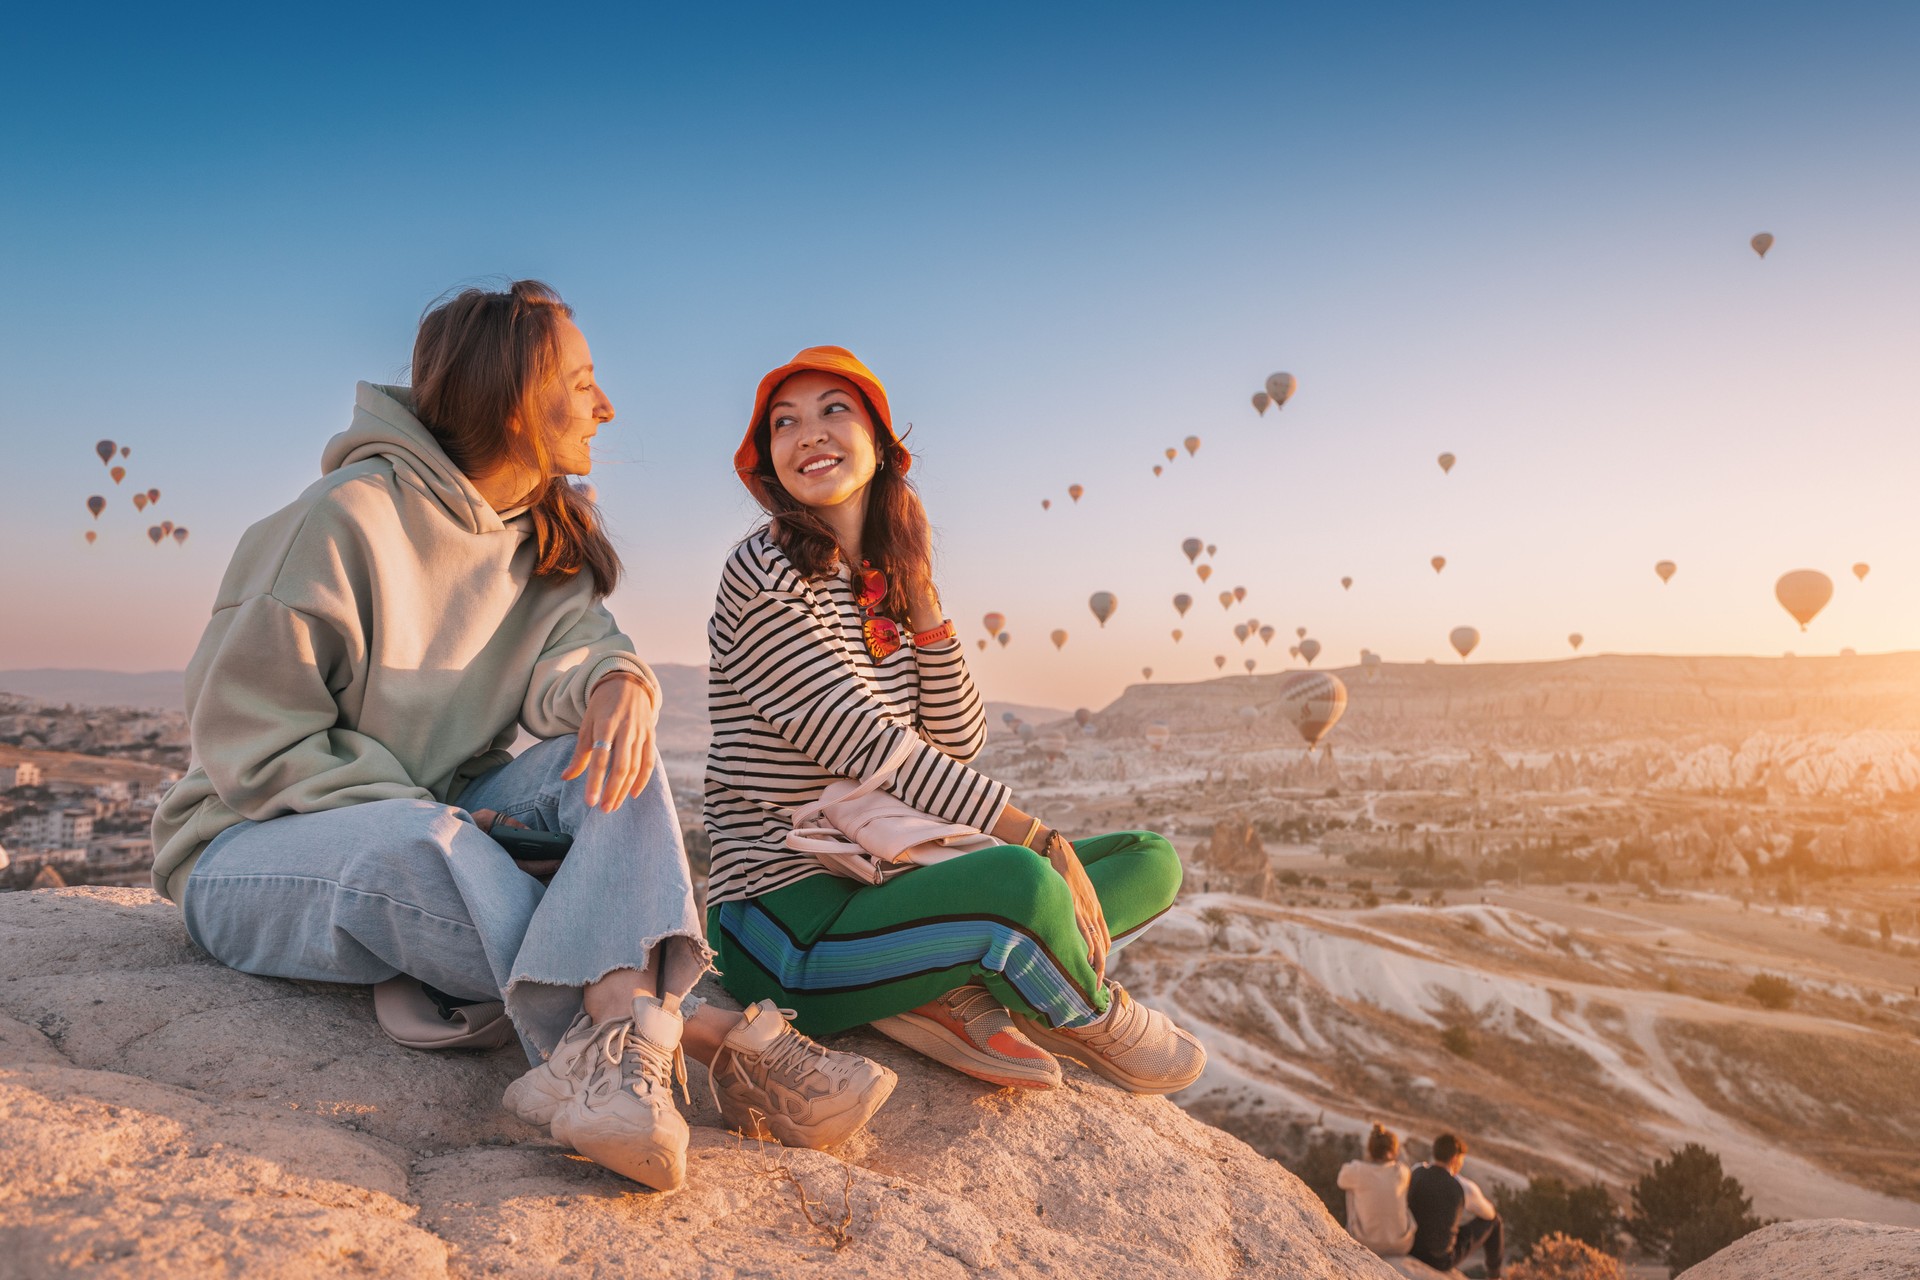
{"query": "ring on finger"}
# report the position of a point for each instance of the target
(603, 746)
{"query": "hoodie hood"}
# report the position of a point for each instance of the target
(383, 426)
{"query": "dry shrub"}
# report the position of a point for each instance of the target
(1558, 1257)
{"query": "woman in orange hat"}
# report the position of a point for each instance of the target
(831, 659)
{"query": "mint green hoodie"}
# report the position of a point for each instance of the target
(379, 639)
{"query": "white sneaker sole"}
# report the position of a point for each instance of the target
(537, 1096)
(928, 1037)
(660, 1165)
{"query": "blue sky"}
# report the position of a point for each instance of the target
(1065, 240)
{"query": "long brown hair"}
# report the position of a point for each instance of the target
(894, 538)
(479, 361)
(1382, 1144)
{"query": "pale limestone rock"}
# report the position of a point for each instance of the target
(1816, 1249)
(161, 1116)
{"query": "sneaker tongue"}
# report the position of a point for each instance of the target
(757, 1031)
(652, 1021)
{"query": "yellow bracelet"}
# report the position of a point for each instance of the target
(1026, 841)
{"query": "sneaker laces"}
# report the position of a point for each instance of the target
(788, 1052)
(617, 1041)
(971, 1003)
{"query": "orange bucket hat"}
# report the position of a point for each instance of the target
(834, 360)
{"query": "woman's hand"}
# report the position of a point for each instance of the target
(615, 748)
(1087, 912)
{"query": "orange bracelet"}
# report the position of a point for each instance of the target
(944, 632)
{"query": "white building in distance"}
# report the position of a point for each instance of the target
(24, 774)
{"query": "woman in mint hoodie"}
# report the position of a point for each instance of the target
(374, 649)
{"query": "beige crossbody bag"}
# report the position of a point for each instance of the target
(858, 831)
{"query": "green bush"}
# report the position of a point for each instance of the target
(1457, 1041)
(1547, 1206)
(1687, 1208)
(1558, 1257)
(1771, 991)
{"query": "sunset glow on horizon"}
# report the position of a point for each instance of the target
(1519, 238)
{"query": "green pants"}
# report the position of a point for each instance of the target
(841, 953)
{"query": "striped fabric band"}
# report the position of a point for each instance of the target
(852, 963)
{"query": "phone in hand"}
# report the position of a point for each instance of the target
(524, 844)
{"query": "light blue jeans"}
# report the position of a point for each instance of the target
(410, 886)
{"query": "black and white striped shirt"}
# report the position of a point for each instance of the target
(796, 701)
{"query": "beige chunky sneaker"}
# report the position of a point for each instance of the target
(623, 1116)
(970, 1031)
(1137, 1048)
(541, 1092)
(769, 1080)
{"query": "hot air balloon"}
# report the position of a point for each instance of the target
(982, 644)
(1438, 563)
(155, 533)
(1281, 387)
(1576, 640)
(1239, 594)
(1253, 625)
(1665, 569)
(1762, 242)
(1156, 468)
(1081, 715)
(582, 487)
(1210, 550)
(105, 449)
(118, 474)
(1004, 638)
(1248, 714)
(1193, 445)
(995, 623)
(1293, 651)
(1205, 571)
(1250, 665)
(1314, 702)
(166, 526)
(1260, 402)
(1074, 491)
(1300, 633)
(1009, 719)
(1182, 603)
(1177, 633)
(1146, 673)
(96, 504)
(91, 535)
(1156, 735)
(1192, 546)
(153, 495)
(126, 451)
(1266, 635)
(1446, 463)
(1103, 604)
(139, 502)
(1026, 731)
(1219, 660)
(1240, 632)
(1058, 637)
(1226, 599)
(1803, 593)
(180, 537)
(1463, 640)
(1172, 454)
(1861, 571)
(1046, 504)
(1346, 584)
(1309, 649)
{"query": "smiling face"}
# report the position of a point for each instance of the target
(572, 404)
(820, 439)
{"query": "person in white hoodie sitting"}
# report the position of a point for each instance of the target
(374, 650)
(1376, 1190)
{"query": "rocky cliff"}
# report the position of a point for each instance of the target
(163, 1116)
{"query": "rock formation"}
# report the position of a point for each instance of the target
(163, 1116)
(1816, 1249)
